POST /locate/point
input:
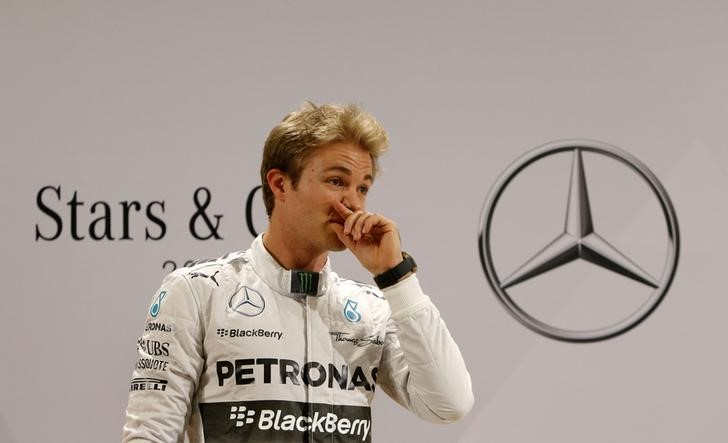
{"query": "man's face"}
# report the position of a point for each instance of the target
(340, 171)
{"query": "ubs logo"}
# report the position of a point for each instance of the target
(580, 240)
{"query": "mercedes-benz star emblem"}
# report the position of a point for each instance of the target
(247, 301)
(579, 240)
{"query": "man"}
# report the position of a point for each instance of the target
(269, 344)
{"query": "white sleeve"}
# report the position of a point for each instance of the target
(422, 368)
(170, 360)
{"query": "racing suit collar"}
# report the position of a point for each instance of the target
(284, 281)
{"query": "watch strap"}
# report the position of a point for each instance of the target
(393, 275)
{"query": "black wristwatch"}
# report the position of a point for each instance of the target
(392, 276)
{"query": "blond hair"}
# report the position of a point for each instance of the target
(290, 143)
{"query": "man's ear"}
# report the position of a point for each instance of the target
(279, 183)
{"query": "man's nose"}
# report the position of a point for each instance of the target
(353, 202)
(353, 206)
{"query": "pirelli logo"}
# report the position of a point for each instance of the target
(148, 384)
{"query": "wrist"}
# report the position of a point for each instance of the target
(401, 270)
(385, 266)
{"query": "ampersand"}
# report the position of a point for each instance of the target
(201, 206)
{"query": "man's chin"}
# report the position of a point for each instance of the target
(336, 246)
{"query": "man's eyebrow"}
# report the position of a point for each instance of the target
(346, 171)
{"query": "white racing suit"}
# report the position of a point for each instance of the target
(229, 354)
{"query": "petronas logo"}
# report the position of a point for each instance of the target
(157, 305)
(350, 312)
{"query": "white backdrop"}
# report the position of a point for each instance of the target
(148, 101)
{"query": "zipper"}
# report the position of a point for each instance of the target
(307, 339)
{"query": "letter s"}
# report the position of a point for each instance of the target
(50, 212)
(156, 220)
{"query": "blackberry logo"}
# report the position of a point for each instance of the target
(241, 416)
(240, 333)
(284, 421)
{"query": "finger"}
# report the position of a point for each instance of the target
(349, 222)
(356, 230)
(345, 239)
(342, 209)
(370, 222)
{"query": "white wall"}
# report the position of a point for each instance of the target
(148, 101)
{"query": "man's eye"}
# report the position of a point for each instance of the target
(336, 181)
(364, 190)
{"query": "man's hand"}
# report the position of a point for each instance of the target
(372, 238)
